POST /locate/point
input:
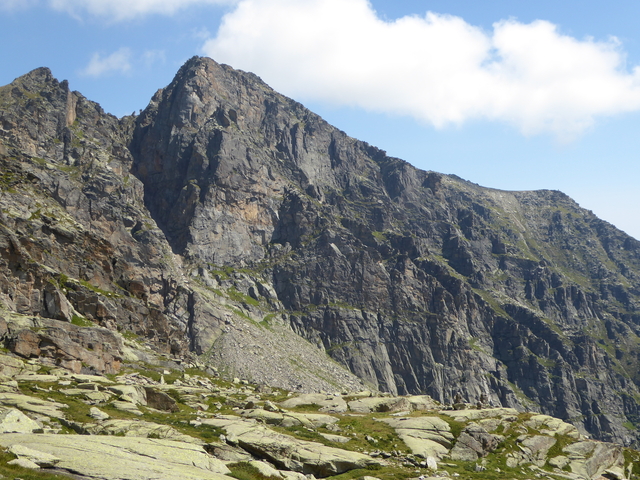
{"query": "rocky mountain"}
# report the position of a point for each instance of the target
(230, 223)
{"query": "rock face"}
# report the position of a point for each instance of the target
(81, 256)
(290, 453)
(228, 221)
(118, 457)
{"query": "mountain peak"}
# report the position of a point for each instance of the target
(230, 222)
(38, 78)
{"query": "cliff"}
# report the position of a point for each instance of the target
(229, 222)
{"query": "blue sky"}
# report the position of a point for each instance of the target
(512, 95)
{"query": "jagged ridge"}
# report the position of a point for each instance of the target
(417, 282)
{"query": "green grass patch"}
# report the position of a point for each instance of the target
(104, 293)
(491, 301)
(383, 473)
(240, 297)
(387, 439)
(632, 457)
(77, 410)
(557, 448)
(266, 321)
(246, 471)
(129, 335)
(306, 408)
(82, 321)
(36, 215)
(180, 421)
(455, 426)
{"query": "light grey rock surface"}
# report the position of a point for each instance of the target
(327, 403)
(122, 458)
(14, 421)
(288, 452)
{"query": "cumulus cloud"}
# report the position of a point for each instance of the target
(436, 68)
(119, 10)
(119, 61)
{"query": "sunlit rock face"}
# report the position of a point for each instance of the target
(228, 221)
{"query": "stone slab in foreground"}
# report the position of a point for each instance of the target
(123, 458)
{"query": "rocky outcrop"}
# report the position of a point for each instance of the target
(117, 457)
(289, 453)
(416, 281)
(475, 442)
(228, 222)
(81, 256)
(223, 430)
(425, 436)
(75, 348)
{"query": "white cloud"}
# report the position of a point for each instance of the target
(436, 68)
(119, 10)
(118, 61)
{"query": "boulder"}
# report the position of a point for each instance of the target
(265, 469)
(507, 414)
(313, 420)
(25, 343)
(467, 449)
(98, 414)
(377, 404)
(424, 447)
(138, 428)
(35, 377)
(293, 475)
(559, 461)
(392, 404)
(122, 458)
(42, 459)
(126, 407)
(24, 463)
(287, 452)
(10, 366)
(56, 304)
(422, 402)
(425, 436)
(160, 400)
(67, 345)
(268, 417)
(136, 394)
(536, 447)
(590, 459)
(475, 442)
(32, 404)
(14, 421)
(98, 397)
(84, 378)
(327, 403)
(290, 419)
(551, 426)
(335, 438)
